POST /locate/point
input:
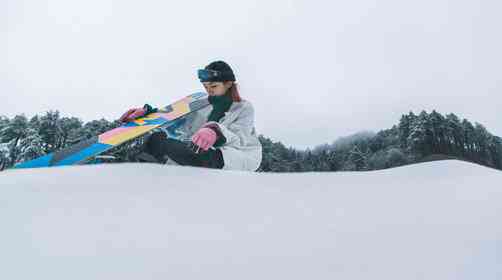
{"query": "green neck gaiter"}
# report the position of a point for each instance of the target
(221, 104)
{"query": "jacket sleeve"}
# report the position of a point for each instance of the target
(239, 130)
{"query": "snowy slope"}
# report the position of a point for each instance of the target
(436, 220)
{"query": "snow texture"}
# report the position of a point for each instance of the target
(436, 220)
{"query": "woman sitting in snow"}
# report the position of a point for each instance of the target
(222, 134)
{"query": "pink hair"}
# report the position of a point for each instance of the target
(235, 93)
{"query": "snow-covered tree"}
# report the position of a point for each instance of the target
(4, 155)
(12, 134)
(417, 139)
(469, 138)
(395, 157)
(359, 156)
(31, 146)
(50, 130)
(405, 126)
(437, 130)
(70, 128)
(454, 132)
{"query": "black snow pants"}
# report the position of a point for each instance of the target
(159, 146)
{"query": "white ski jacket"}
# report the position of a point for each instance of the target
(242, 150)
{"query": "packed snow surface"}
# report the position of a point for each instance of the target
(436, 220)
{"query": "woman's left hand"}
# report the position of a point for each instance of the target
(204, 138)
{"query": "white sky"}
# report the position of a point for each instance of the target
(314, 70)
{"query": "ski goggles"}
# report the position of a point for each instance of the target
(206, 75)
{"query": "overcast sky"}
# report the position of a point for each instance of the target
(314, 70)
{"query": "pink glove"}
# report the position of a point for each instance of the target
(132, 114)
(204, 138)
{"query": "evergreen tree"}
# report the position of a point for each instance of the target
(4, 121)
(97, 127)
(4, 155)
(31, 146)
(12, 133)
(49, 128)
(416, 138)
(469, 139)
(378, 160)
(483, 140)
(359, 157)
(71, 128)
(334, 161)
(395, 157)
(454, 135)
(496, 152)
(405, 127)
(438, 141)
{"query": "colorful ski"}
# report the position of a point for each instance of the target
(87, 149)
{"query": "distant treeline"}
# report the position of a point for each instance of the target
(414, 139)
